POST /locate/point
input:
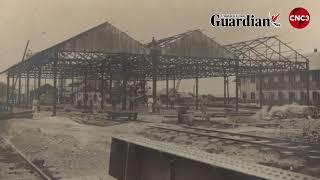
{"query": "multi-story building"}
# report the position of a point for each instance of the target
(284, 88)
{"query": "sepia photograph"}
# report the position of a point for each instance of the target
(159, 90)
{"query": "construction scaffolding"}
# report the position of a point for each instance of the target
(104, 52)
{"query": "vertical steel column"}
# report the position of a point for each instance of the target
(110, 81)
(124, 93)
(39, 85)
(290, 81)
(154, 89)
(12, 92)
(72, 81)
(85, 95)
(224, 88)
(197, 92)
(173, 90)
(155, 59)
(27, 89)
(34, 83)
(167, 90)
(61, 88)
(102, 85)
(143, 84)
(260, 87)
(72, 87)
(237, 85)
(24, 98)
(174, 83)
(19, 89)
(228, 94)
(124, 85)
(8, 90)
(110, 86)
(55, 94)
(308, 82)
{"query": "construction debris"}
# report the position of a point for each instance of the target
(311, 131)
(287, 111)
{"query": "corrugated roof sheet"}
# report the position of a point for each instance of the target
(104, 38)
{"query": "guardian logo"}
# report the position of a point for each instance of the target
(244, 20)
(299, 18)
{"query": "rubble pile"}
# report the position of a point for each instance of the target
(288, 111)
(311, 131)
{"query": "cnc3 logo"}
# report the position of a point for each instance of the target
(299, 18)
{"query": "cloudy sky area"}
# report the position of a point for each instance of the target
(46, 22)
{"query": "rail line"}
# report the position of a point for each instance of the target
(310, 152)
(23, 167)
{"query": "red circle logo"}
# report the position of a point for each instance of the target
(299, 18)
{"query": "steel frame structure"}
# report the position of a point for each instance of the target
(272, 49)
(250, 57)
(141, 64)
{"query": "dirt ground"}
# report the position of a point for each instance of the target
(69, 150)
(73, 150)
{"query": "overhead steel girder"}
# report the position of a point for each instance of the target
(77, 63)
(265, 48)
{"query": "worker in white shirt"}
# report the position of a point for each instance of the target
(150, 104)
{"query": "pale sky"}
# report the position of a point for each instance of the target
(46, 22)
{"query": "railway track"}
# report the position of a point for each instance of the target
(288, 148)
(96, 119)
(14, 165)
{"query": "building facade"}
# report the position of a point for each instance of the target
(283, 88)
